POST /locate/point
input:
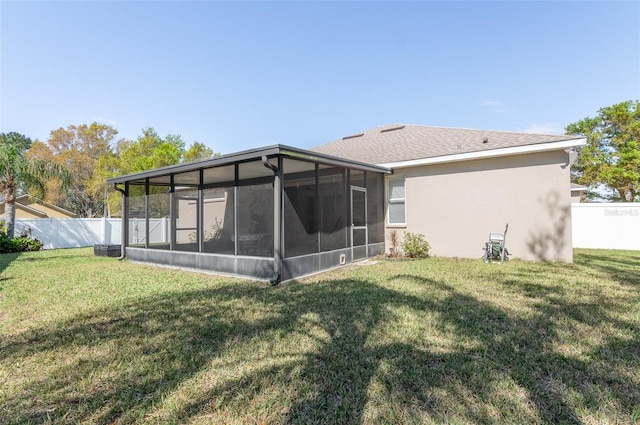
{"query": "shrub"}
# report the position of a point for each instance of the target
(20, 244)
(415, 246)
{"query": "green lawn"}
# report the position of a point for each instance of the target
(87, 339)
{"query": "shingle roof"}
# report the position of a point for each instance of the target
(399, 142)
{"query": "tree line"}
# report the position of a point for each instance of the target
(71, 167)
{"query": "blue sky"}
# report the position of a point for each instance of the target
(238, 75)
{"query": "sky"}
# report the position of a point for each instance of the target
(241, 75)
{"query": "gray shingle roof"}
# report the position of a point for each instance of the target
(399, 142)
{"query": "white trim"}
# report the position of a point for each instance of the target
(516, 150)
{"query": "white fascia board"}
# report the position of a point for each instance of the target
(516, 150)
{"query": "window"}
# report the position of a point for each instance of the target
(396, 212)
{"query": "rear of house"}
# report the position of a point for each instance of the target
(457, 185)
(280, 212)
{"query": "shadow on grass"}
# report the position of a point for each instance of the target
(623, 266)
(6, 259)
(122, 364)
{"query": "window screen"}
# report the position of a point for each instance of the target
(186, 222)
(255, 217)
(333, 209)
(375, 208)
(137, 216)
(218, 220)
(300, 208)
(159, 212)
(357, 178)
(219, 175)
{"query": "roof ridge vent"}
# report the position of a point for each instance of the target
(392, 128)
(353, 136)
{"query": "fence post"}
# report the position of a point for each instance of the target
(164, 230)
(55, 234)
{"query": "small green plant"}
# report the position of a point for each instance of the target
(415, 246)
(19, 244)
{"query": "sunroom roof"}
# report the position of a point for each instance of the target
(160, 174)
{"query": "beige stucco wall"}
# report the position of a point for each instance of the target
(456, 205)
(215, 212)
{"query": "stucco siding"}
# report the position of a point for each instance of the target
(456, 205)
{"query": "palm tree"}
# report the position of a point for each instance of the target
(18, 172)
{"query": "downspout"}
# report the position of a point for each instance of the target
(277, 221)
(123, 228)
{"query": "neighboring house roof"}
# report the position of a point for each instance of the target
(398, 145)
(28, 206)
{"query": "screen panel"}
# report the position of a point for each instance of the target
(300, 208)
(333, 208)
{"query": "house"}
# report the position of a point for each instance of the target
(280, 212)
(28, 206)
(456, 186)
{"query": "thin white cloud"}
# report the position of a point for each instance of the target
(543, 128)
(497, 106)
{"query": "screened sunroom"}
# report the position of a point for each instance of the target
(272, 213)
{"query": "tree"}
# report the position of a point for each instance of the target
(198, 151)
(147, 152)
(611, 157)
(78, 148)
(17, 171)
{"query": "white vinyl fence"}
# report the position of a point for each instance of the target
(78, 232)
(606, 226)
(71, 232)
